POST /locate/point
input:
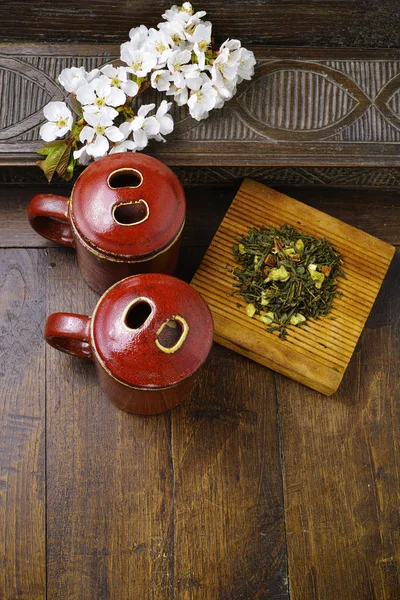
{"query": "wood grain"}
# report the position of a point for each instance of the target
(364, 23)
(229, 528)
(22, 431)
(376, 212)
(340, 455)
(341, 469)
(317, 355)
(304, 106)
(386, 178)
(109, 475)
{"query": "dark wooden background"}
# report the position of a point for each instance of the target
(331, 23)
(256, 488)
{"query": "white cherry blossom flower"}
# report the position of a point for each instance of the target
(75, 77)
(166, 122)
(175, 30)
(193, 76)
(82, 156)
(176, 14)
(201, 39)
(138, 37)
(92, 74)
(144, 127)
(231, 45)
(97, 135)
(226, 90)
(246, 63)
(100, 93)
(224, 67)
(94, 109)
(119, 78)
(59, 123)
(160, 80)
(139, 62)
(195, 19)
(177, 59)
(202, 101)
(178, 88)
(125, 145)
(160, 45)
(183, 14)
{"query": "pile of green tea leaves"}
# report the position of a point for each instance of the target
(286, 276)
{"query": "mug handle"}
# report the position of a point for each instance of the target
(48, 216)
(69, 333)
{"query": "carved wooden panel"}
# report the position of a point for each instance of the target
(338, 177)
(306, 106)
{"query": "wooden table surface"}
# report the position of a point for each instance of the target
(254, 488)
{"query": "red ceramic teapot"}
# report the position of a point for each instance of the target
(148, 336)
(125, 216)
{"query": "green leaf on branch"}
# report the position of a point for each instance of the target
(77, 128)
(57, 159)
(70, 168)
(44, 151)
(63, 163)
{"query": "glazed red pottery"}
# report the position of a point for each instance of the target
(125, 216)
(148, 337)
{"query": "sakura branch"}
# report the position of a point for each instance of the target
(176, 58)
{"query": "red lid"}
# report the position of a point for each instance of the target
(152, 354)
(137, 220)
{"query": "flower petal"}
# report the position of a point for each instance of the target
(127, 52)
(99, 147)
(92, 118)
(104, 120)
(166, 124)
(130, 88)
(151, 126)
(52, 110)
(116, 97)
(140, 138)
(163, 108)
(126, 146)
(137, 123)
(86, 94)
(49, 132)
(82, 156)
(93, 109)
(87, 134)
(145, 109)
(109, 70)
(92, 75)
(114, 134)
(62, 131)
(125, 129)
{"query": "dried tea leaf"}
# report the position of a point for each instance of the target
(291, 272)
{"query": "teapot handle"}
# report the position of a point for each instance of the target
(69, 333)
(48, 215)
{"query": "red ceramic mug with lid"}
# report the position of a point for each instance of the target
(125, 216)
(148, 336)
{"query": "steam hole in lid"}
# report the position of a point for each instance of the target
(170, 333)
(137, 315)
(125, 178)
(130, 213)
